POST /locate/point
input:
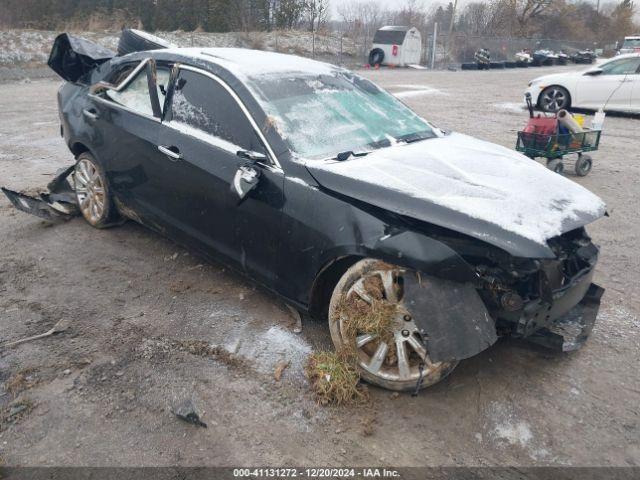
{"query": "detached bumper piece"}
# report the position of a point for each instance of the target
(59, 204)
(569, 332)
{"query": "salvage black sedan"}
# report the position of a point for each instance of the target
(420, 246)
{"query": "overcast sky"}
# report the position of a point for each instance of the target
(428, 4)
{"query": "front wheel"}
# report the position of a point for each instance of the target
(556, 165)
(554, 98)
(92, 192)
(368, 320)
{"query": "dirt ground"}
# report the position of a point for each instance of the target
(102, 393)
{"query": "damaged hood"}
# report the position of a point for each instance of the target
(470, 186)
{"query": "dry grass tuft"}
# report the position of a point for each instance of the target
(14, 412)
(334, 379)
(204, 349)
(20, 382)
(376, 318)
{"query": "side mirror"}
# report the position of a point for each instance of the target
(245, 180)
(252, 156)
(593, 72)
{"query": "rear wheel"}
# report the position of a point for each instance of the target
(92, 192)
(583, 165)
(376, 57)
(554, 98)
(367, 315)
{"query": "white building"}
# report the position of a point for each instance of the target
(401, 46)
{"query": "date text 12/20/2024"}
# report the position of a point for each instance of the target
(315, 473)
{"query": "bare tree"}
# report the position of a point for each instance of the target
(528, 10)
(288, 13)
(317, 13)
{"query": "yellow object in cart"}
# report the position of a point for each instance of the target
(579, 119)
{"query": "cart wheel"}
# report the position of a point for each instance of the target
(556, 165)
(583, 165)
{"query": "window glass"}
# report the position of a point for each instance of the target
(203, 104)
(621, 67)
(135, 95)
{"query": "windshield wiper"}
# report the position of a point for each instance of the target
(414, 137)
(342, 156)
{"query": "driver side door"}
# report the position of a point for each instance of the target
(202, 133)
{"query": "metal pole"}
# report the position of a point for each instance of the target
(433, 48)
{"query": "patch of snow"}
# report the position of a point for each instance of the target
(515, 433)
(205, 137)
(276, 344)
(509, 430)
(246, 63)
(418, 93)
(511, 107)
(297, 180)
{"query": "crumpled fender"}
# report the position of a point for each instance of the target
(440, 293)
(424, 254)
(450, 315)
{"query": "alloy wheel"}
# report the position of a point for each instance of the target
(392, 362)
(553, 99)
(90, 191)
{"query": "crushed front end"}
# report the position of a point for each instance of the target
(552, 302)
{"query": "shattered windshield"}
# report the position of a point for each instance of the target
(323, 115)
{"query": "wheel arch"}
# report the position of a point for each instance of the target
(325, 281)
(78, 148)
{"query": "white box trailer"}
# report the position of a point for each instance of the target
(397, 46)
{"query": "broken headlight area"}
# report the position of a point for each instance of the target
(550, 301)
(58, 204)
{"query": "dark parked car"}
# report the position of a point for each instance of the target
(327, 190)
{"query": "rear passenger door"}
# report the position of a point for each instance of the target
(126, 123)
(202, 132)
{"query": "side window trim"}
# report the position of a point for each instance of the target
(134, 73)
(272, 156)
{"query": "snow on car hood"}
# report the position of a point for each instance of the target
(474, 187)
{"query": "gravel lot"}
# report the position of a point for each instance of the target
(101, 393)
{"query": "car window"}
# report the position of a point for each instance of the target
(203, 104)
(135, 95)
(621, 67)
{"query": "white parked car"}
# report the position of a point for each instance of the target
(630, 45)
(612, 85)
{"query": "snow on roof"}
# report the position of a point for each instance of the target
(396, 28)
(248, 63)
(391, 35)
